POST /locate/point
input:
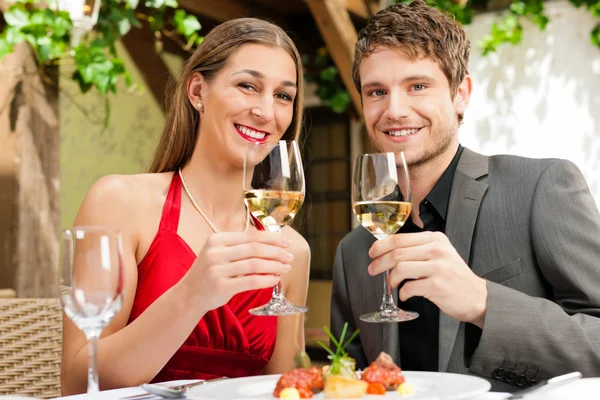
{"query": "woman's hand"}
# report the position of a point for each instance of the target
(235, 262)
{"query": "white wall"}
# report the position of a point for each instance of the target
(540, 98)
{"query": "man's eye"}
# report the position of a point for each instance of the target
(418, 87)
(378, 92)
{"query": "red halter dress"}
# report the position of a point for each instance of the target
(227, 341)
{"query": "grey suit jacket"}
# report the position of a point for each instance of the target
(531, 228)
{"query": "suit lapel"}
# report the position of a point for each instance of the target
(465, 199)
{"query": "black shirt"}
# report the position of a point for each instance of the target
(419, 337)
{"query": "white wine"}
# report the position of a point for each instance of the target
(382, 218)
(273, 208)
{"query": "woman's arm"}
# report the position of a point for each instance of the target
(290, 328)
(123, 356)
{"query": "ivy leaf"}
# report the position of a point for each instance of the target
(133, 3)
(594, 36)
(14, 35)
(339, 103)
(84, 86)
(329, 73)
(5, 47)
(17, 17)
(44, 47)
(186, 24)
(61, 26)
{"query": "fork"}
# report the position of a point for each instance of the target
(169, 392)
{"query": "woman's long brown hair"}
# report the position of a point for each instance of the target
(179, 135)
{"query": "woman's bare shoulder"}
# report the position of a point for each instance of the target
(122, 195)
(299, 244)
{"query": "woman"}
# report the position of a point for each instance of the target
(189, 285)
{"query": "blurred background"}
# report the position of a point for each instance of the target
(82, 89)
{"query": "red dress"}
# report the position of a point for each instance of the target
(227, 341)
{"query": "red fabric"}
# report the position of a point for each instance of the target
(227, 341)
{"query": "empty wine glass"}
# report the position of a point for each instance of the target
(90, 279)
(381, 200)
(274, 192)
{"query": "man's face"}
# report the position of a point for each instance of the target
(408, 106)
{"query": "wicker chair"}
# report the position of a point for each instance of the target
(30, 347)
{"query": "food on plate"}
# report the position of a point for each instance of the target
(406, 389)
(384, 371)
(340, 386)
(375, 388)
(339, 379)
(304, 380)
(290, 394)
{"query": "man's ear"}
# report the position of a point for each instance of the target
(195, 88)
(463, 94)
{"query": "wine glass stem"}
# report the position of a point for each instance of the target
(278, 292)
(277, 289)
(93, 386)
(388, 299)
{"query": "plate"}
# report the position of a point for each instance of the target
(427, 385)
(581, 389)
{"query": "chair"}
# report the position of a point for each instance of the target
(30, 347)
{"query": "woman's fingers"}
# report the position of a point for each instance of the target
(253, 282)
(237, 238)
(253, 266)
(257, 250)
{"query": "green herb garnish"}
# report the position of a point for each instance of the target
(341, 362)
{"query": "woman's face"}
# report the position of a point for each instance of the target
(251, 100)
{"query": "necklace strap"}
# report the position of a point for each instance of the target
(202, 213)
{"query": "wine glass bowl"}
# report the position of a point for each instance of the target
(381, 201)
(90, 279)
(274, 192)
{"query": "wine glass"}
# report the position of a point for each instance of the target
(90, 279)
(274, 192)
(381, 200)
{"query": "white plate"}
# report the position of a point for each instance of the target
(581, 389)
(428, 386)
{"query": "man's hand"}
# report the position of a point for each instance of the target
(437, 271)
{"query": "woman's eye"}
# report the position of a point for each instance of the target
(247, 86)
(284, 96)
(378, 92)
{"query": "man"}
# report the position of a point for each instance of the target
(501, 254)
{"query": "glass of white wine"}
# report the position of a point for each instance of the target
(274, 192)
(381, 200)
(90, 279)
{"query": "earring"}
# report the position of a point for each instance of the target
(200, 106)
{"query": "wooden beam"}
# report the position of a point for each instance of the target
(150, 64)
(340, 36)
(362, 8)
(219, 10)
(358, 7)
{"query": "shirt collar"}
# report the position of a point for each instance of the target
(439, 196)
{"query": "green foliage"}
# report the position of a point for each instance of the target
(97, 64)
(321, 70)
(509, 29)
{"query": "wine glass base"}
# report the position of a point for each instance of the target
(276, 308)
(389, 315)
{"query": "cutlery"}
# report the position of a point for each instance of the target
(561, 379)
(170, 392)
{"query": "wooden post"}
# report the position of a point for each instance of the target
(29, 176)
